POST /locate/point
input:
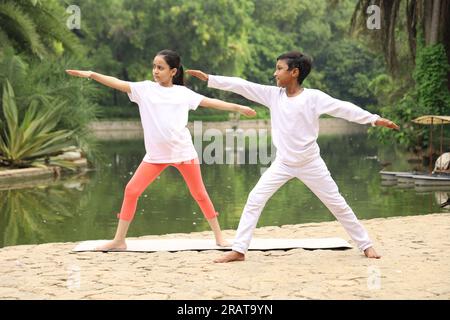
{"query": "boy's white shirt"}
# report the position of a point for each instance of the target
(164, 116)
(295, 120)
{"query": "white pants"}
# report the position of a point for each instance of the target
(315, 175)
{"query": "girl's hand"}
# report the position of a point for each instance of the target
(386, 123)
(246, 111)
(198, 74)
(80, 73)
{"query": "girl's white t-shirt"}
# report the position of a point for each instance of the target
(164, 116)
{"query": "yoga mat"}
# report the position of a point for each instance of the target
(179, 244)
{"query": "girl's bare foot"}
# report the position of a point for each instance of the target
(371, 253)
(113, 245)
(230, 257)
(223, 243)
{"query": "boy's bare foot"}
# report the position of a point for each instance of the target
(371, 253)
(223, 243)
(230, 257)
(112, 246)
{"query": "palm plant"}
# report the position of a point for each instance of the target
(35, 26)
(34, 141)
(46, 81)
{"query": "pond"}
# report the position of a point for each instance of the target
(85, 207)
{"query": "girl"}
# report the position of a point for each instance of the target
(164, 105)
(295, 113)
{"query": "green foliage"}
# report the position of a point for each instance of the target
(415, 82)
(20, 28)
(24, 142)
(124, 36)
(230, 37)
(428, 96)
(239, 38)
(431, 78)
(35, 48)
(348, 68)
(401, 113)
(36, 27)
(45, 81)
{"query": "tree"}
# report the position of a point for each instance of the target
(35, 27)
(428, 17)
(35, 49)
(122, 41)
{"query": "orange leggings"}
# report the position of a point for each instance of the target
(146, 173)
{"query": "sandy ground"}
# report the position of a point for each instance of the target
(415, 265)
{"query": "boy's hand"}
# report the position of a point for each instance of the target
(79, 73)
(246, 111)
(386, 123)
(198, 74)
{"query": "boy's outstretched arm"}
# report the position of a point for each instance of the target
(326, 104)
(105, 80)
(259, 93)
(382, 122)
(227, 106)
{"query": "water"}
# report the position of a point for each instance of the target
(85, 207)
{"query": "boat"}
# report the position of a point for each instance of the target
(400, 176)
(434, 180)
(391, 175)
(428, 188)
(438, 177)
(405, 178)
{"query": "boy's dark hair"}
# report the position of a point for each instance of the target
(173, 59)
(296, 59)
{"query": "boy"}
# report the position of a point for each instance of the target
(295, 113)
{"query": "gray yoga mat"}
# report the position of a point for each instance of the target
(179, 244)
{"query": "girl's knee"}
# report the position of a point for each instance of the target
(132, 191)
(125, 216)
(200, 195)
(211, 215)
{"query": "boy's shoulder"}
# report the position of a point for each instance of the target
(313, 91)
(317, 94)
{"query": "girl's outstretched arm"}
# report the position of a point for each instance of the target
(198, 74)
(105, 80)
(227, 106)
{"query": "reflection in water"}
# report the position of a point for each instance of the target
(29, 215)
(85, 207)
(443, 198)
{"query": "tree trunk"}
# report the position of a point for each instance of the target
(432, 17)
(444, 22)
(390, 12)
(434, 27)
(412, 12)
(427, 12)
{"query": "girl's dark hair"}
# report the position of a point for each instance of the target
(173, 59)
(296, 59)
